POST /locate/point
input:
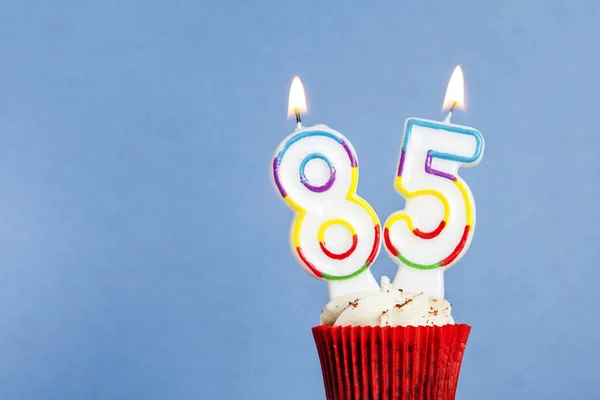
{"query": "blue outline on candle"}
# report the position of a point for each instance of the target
(302, 135)
(447, 127)
(313, 188)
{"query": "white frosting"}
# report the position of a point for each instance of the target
(334, 308)
(388, 307)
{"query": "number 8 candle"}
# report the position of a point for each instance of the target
(335, 235)
(436, 226)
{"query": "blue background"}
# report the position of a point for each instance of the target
(144, 254)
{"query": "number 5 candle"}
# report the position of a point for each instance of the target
(436, 226)
(335, 235)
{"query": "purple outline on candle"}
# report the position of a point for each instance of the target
(353, 160)
(317, 189)
(320, 189)
(401, 165)
(432, 171)
(276, 177)
(428, 168)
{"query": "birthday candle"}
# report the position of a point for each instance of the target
(335, 234)
(436, 226)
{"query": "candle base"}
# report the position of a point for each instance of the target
(364, 282)
(430, 282)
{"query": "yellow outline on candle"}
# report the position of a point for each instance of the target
(335, 221)
(411, 195)
(351, 196)
(468, 205)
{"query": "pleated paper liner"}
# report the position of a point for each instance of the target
(385, 363)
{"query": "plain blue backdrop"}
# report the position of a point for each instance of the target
(144, 253)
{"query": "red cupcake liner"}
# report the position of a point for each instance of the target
(391, 363)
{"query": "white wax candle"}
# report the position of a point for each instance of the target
(335, 235)
(436, 226)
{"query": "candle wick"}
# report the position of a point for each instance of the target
(298, 119)
(449, 116)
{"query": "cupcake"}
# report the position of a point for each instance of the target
(388, 341)
(390, 344)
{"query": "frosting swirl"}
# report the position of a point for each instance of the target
(388, 307)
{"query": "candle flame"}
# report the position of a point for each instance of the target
(297, 99)
(455, 93)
